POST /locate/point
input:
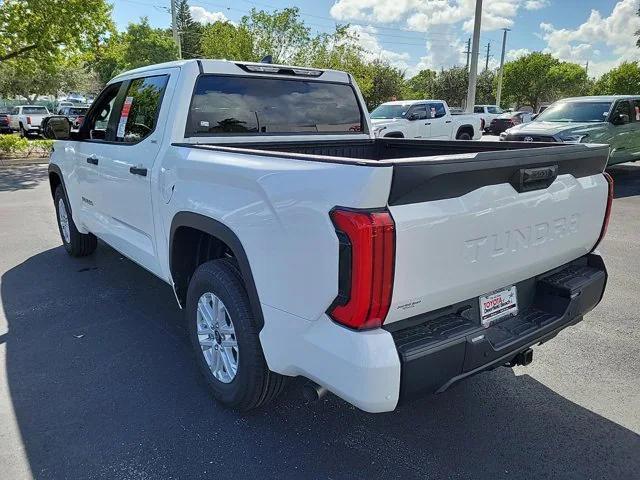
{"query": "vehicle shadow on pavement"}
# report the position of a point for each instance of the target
(626, 180)
(21, 177)
(104, 385)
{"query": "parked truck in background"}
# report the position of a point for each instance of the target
(300, 244)
(26, 119)
(427, 119)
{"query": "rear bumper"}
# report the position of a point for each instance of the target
(449, 345)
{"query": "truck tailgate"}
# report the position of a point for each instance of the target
(469, 226)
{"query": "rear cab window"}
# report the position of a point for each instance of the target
(223, 105)
(35, 110)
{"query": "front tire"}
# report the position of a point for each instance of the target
(225, 338)
(75, 243)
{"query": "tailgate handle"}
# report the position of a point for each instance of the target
(528, 179)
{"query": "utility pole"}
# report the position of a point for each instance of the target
(504, 45)
(174, 28)
(468, 52)
(586, 68)
(486, 63)
(475, 50)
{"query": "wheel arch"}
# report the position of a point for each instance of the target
(465, 128)
(186, 224)
(56, 179)
(396, 134)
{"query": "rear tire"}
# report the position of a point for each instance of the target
(463, 136)
(23, 132)
(75, 243)
(225, 338)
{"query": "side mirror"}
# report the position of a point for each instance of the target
(620, 119)
(413, 116)
(56, 127)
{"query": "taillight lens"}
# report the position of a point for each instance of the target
(28, 120)
(607, 212)
(367, 256)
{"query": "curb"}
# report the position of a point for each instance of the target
(12, 162)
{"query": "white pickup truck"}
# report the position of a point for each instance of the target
(428, 119)
(298, 244)
(26, 119)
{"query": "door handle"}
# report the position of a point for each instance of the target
(92, 160)
(428, 123)
(448, 121)
(138, 171)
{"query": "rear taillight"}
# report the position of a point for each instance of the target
(79, 120)
(28, 120)
(366, 262)
(607, 211)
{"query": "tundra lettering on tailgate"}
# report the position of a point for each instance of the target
(516, 239)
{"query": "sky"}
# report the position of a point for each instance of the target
(417, 34)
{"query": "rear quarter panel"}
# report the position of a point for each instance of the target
(279, 210)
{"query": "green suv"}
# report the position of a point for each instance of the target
(613, 120)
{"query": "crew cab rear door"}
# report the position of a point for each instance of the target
(467, 225)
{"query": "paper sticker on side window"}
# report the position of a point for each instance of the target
(124, 115)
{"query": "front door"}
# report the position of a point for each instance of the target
(88, 157)
(126, 169)
(623, 141)
(440, 124)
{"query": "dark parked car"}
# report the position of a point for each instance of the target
(508, 120)
(5, 126)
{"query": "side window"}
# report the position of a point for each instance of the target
(636, 110)
(623, 107)
(478, 110)
(140, 109)
(494, 110)
(15, 111)
(436, 110)
(418, 112)
(97, 121)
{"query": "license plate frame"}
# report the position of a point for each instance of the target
(498, 304)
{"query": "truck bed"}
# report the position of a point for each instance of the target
(426, 170)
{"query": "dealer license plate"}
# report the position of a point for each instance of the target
(498, 304)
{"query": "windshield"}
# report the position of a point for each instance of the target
(35, 110)
(263, 106)
(575, 112)
(390, 111)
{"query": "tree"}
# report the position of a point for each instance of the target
(386, 83)
(451, 86)
(29, 79)
(622, 80)
(145, 45)
(190, 31)
(226, 41)
(540, 77)
(485, 88)
(42, 29)
(421, 85)
(280, 34)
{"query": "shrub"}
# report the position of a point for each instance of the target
(12, 145)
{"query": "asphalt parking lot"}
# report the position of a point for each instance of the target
(97, 380)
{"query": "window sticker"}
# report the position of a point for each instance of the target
(126, 108)
(637, 114)
(433, 112)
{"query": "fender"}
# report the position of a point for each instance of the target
(225, 234)
(53, 168)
